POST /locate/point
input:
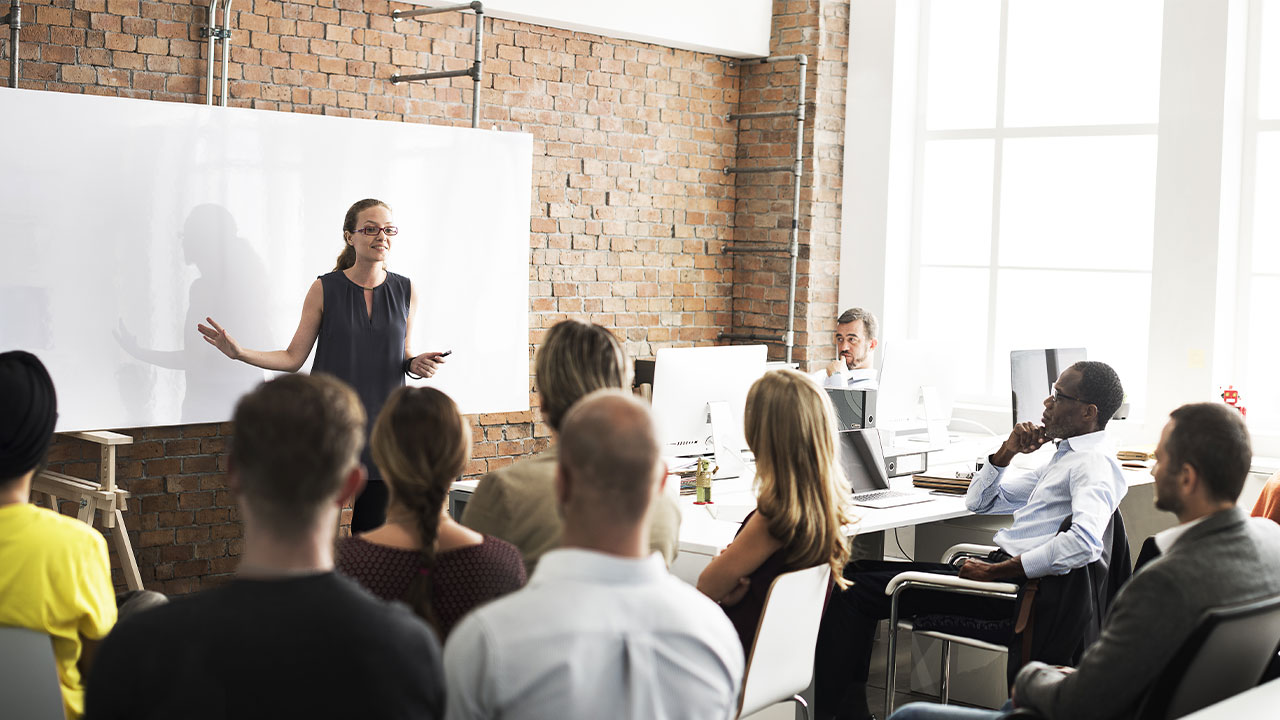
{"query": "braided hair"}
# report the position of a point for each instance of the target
(421, 443)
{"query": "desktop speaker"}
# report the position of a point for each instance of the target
(855, 409)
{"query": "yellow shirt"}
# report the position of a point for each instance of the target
(55, 578)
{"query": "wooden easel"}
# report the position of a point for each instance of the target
(101, 496)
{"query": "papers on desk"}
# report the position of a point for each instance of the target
(1135, 458)
(950, 484)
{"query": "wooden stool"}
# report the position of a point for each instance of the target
(101, 496)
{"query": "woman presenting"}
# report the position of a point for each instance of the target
(363, 317)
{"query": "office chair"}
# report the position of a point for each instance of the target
(29, 675)
(1225, 655)
(781, 662)
(1065, 619)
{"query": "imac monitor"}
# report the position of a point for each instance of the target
(1032, 374)
(685, 380)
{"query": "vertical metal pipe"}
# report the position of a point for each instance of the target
(795, 208)
(15, 31)
(477, 68)
(226, 47)
(891, 660)
(213, 38)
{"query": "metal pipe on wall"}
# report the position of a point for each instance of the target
(797, 170)
(14, 19)
(795, 209)
(226, 48)
(478, 64)
(212, 31)
(475, 72)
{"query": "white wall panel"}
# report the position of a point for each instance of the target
(127, 221)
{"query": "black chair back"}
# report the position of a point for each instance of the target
(1225, 655)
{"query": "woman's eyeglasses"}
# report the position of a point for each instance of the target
(390, 231)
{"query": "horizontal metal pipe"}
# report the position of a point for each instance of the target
(749, 116)
(403, 14)
(802, 59)
(761, 248)
(430, 75)
(750, 170)
(750, 336)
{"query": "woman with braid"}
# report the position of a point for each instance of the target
(420, 555)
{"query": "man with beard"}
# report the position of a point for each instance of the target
(856, 331)
(1083, 481)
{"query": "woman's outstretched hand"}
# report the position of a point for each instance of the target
(216, 336)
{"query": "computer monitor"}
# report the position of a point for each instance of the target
(1032, 374)
(917, 386)
(686, 380)
(862, 460)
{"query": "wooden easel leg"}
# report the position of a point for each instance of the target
(124, 551)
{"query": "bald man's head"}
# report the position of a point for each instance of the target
(609, 450)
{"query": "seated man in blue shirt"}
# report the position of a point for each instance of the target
(1083, 482)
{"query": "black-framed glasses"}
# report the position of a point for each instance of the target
(1059, 396)
(390, 231)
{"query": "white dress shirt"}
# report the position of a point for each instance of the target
(1082, 480)
(855, 379)
(593, 636)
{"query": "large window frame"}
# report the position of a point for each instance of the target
(1206, 130)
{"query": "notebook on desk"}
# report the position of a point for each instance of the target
(862, 460)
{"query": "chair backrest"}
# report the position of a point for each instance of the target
(781, 662)
(1225, 655)
(29, 675)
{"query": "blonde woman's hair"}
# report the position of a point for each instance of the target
(576, 359)
(791, 427)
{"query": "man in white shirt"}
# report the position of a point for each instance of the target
(856, 331)
(602, 629)
(1082, 481)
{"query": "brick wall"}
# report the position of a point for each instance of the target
(630, 208)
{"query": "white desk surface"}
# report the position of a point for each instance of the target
(1260, 702)
(706, 530)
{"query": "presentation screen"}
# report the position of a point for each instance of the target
(126, 222)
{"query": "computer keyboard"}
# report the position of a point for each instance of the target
(880, 495)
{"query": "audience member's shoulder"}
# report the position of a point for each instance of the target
(61, 535)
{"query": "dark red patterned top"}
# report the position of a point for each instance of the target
(463, 579)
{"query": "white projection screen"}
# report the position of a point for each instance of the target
(124, 222)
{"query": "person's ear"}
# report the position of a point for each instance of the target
(662, 479)
(233, 482)
(352, 484)
(1188, 480)
(874, 342)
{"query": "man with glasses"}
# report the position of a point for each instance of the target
(1082, 482)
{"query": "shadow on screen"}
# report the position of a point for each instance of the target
(232, 275)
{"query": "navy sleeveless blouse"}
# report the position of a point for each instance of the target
(365, 350)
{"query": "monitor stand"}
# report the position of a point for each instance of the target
(726, 443)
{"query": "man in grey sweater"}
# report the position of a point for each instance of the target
(1216, 556)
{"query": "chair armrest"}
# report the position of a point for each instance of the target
(945, 583)
(1022, 713)
(967, 550)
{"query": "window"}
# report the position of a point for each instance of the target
(1033, 208)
